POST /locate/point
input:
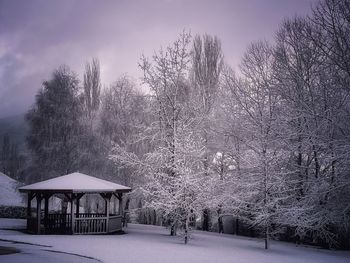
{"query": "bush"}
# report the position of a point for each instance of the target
(13, 212)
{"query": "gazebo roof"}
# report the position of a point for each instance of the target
(75, 183)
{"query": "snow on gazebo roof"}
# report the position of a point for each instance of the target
(75, 183)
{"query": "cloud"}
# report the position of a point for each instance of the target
(38, 36)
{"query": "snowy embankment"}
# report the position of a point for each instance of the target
(153, 244)
(9, 196)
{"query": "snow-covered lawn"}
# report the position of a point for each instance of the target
(153, 244)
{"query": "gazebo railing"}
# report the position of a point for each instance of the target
(97, 224)
(52, 223)
(57, 219)
(57, 223)
(90, 225)
(85, 215)
(86, 223)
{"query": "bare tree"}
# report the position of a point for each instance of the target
(331, 21)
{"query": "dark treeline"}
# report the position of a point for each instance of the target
(12, 160)
(268, 143)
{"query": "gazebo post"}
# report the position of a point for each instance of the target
(38, 211)
(72, 212)
(106, 204)
(120, 208)
(46, 206)
(77, 203)
(29, 204)
(29, 209)
(107, 198)
(114, 204)
(46, 210)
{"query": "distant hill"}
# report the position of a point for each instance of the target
(17, 129)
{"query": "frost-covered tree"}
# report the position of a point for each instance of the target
(124, 113)
(313, 100)
(258, 195)
(178, 196)
(124, 107)
(173, 168)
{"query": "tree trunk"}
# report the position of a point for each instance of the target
(205, 223)
(266, 236)
(186, 229)
(237, 226)
(173, 229)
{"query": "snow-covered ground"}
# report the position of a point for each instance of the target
(153, 244)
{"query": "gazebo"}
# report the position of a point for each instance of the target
(73, 186)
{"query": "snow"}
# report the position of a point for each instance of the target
(76, 182)
(9, 196)
(153, 244)
(11, 223)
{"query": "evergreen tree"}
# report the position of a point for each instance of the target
(54, 126)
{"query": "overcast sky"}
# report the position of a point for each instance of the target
(37, 36)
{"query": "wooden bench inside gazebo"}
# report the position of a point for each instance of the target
(73, 187)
